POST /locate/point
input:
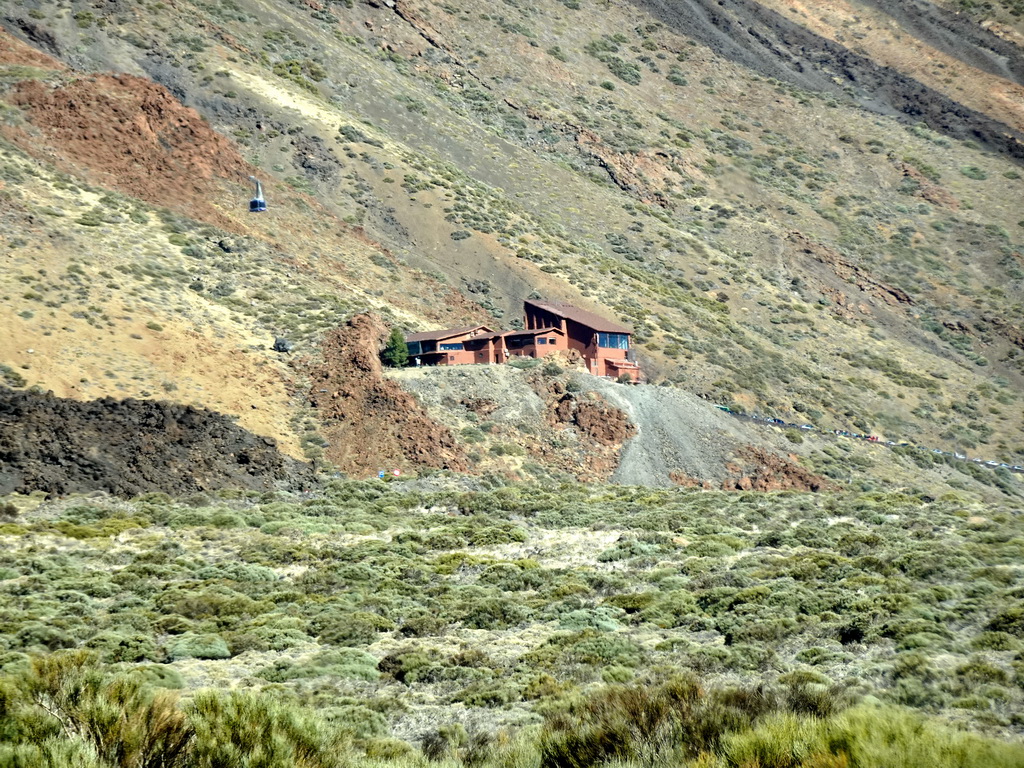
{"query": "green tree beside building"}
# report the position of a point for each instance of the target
(396, 353)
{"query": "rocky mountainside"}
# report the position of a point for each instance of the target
(805, 211)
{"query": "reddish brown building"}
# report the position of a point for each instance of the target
(550, 327)
(603, 344)
(534, 342)
(454, 346)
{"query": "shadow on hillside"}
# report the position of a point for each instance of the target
(768, 43)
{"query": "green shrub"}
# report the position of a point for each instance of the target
(489, 693)
(51, 753)
(632, 602)
(493, 613)
(423, 625)
(342, 663)
(117, 718)
(974, 172)
(114, 645)
(602, 619)
(218, 602)
(995, 641)
(159, 676)
(617, 674)
(672, 609)
(978, 671)
(784, 741)
(445, 742)
(1010, 621)
(396, 351)
(597, 648)
(246, 730)
(387, 749)
(353, 629)
(866, 736)
(675, 720)
(198, 646)
(405, 665)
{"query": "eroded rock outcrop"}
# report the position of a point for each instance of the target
(848, 271)
(370, 422)
(601, 427)
(761, 470)
(128, 134)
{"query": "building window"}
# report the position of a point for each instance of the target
(542, 341)
(550, 341)
(613, 340)
(450, 347)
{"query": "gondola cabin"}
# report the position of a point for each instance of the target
(257, 204)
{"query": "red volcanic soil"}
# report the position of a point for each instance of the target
(128, 134)
(13, 51)
(370, 422)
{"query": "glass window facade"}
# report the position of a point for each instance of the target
(450, 347)
(613, 340)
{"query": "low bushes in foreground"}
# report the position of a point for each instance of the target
(68, 709)
(526, 625)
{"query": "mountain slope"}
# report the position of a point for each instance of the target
(826, 232)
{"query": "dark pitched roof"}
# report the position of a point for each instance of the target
(581, 316)
(447, 333)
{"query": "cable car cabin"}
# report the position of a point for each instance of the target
(257, 204)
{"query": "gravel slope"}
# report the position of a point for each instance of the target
(676, 432)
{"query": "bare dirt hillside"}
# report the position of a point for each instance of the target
(780, 40)
(129, 134)
(134, 270)
(681, 437)
(593, 429)
(526, 423)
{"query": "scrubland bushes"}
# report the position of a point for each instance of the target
(647, 626)
(865, 736)
(67, 709)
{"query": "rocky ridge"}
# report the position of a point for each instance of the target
(129, 447)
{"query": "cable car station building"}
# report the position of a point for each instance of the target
(550, 327)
